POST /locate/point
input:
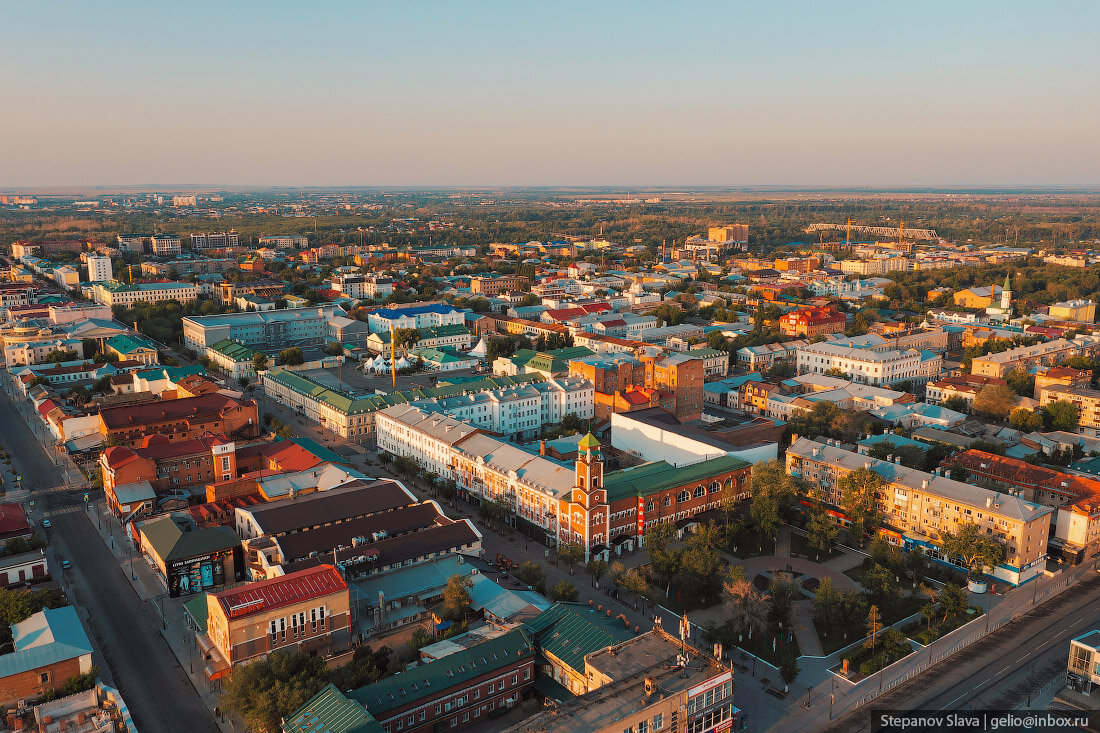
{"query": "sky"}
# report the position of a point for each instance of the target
(419, 93)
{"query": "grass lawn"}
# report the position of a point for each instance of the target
(914, 630)
(800, 547)
(762, 647)
(835, 639)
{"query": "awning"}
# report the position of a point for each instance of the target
(84, 443)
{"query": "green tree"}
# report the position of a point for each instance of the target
(456, 596)
(859, 499)
(1062, 415)
(570, 553)
(291, 357)
(956, 403)
(334, 349)
(1025, 420)
(564, 591)
(532, 574)
(1021, 382)
(788, 671)
(57, 356)
(259, 362)
(996, 401)
(596, 567)
(874, 626)
(953, 601)
(822, 530)
(976, 548)
(406, 338)
(772, 489)
(264, 692)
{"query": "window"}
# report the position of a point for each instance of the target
(44, 677)
(658, 721)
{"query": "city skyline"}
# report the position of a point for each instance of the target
(848, 94)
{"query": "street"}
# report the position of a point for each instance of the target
(998, 671)
(125, 630)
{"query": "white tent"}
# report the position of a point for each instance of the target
(480, 350)
(402, 363)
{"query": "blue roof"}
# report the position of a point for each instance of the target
(50, 636)
(398, 312)
(895, 440)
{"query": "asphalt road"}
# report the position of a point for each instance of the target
(998, 671)
(124, 629)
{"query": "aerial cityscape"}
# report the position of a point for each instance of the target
(623, 368)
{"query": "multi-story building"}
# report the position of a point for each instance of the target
(284, 241)
(99, 268)
(811, 322)
(280, 328)
(1083, 668)
(182, 419)
(868, 366)
(1024, 357)
(762, 358)
(165, 245)
(307, 611)
(568, 506)
(1061, 377)
(236, 360)
(1076, 499)
(491, 286)
(217, 240)
(1080, 311)
(680, 375)
(1086, 400)
(383, 320)
(919, 509)
(114, 293)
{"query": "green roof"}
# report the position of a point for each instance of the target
(124, 344)
(441, 355)
(588, 441)
(176, 537)
(454, 670)
(199, 611)
(649, 478)
(329, 711)
(453, 329)
(570, 631)
(352, 404)
(320, 451)
(233, 350)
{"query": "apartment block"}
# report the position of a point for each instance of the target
(1086, 400)
(868, 366)
(811, 322)
(920, 508)
(491, 286)
(682, 376)
(1047, 353)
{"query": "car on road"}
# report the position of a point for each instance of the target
(46, 524)
(66, 565)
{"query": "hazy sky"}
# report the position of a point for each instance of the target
(500, 93)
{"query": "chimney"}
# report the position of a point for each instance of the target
(650, 686)
(924, 484)
(542, 447)
(988, 501)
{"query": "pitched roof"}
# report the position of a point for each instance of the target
(176, 537)
(453, 671)
(197, 409)
(655, 476)
(354, 500)
(329, 711)
(52, 635)
(279, 592)
(570, 631)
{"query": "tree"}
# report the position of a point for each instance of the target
(772, 489)
(957, 403)
(570, 553)
(1020, 382)
(264, 692)
(406, 338)
(874, 626)
(953, 600)
(976, 548)
(291, 357)
(823, 531)
(456, 596)
(859, 499)
(1062, 415)
(564, 591)
(334, 349)
(996, 401)
(788, 671)
(1025, 420)
(532, 574)
(882, 587)
(596, 567)
(633, 582)
(57, 356)
(259, 362)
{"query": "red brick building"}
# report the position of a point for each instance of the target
(682, 376)
(183, 419)
(810, 322)
(49, 648)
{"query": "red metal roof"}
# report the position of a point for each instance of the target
(286, 590)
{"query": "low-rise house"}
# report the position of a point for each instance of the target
(133, 348)
(188, 558)
(49, 648)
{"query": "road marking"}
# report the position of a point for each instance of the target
(960, 697)
(65, 510)
(1005, 669)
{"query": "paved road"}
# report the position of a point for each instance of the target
(997, 671)
(127, 632)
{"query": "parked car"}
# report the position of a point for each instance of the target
(66, 565)
(46, 524)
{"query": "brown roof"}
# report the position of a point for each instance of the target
(194, 409)
(356, 499)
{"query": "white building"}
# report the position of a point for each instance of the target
(165, 245)
(869, 367)
(284, 241)
(114, 293)
(283, 328)
(424, 316)
(418, 433)
(217, 240)
(99, 268)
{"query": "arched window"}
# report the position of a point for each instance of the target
(716, 487)
(649, 506)
(700, 491)
(682, 497)
(667, 501)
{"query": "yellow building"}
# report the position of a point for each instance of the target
(1080, 311)
(919, 508)
(978, 297)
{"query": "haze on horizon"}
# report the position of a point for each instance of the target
(494, 93)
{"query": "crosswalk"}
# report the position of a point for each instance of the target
(63, 510)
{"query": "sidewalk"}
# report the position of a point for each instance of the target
(174, 628)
